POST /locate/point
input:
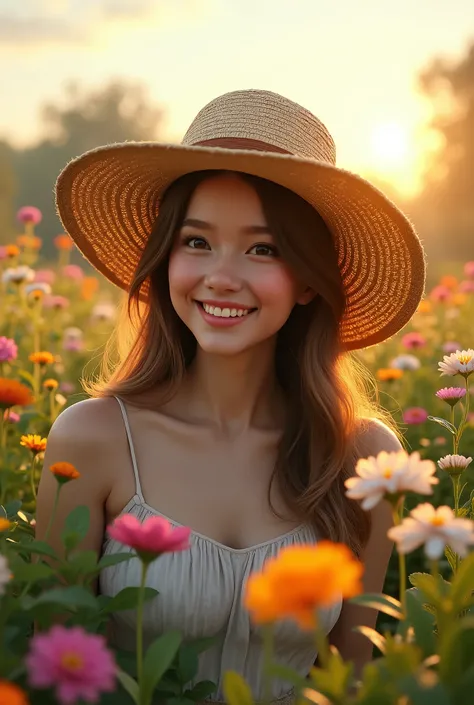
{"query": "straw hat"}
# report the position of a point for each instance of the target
(108, 200)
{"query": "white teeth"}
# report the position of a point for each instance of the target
(225, 312)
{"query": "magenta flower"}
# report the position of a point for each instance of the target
(29, 214)
(440, 293)
(73, 271)
(44, 276)
(415, 415)
(8, 349)
(151, 538)
(451, 395)
(57, 302)
(11, 416)
(77, 664)
(469, 270)
(414, 340)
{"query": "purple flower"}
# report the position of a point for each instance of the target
(8, 349)
(451, 395)
(29, 214)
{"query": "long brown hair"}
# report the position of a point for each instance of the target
(329, 392)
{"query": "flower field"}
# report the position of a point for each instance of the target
(54, 319)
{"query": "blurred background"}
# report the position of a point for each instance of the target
(393, 82)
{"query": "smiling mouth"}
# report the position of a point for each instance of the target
(225, 312)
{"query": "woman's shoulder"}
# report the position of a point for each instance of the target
(89, 421)
(373, 436)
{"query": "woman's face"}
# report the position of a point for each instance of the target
(228, 283)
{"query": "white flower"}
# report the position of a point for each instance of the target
(18, 275)
(103, 312)
(454, 462)
(459, 362)
(405, 362)
(434, 528)
(390, 473)
(38, 286)
(5, 574)
(73, 333)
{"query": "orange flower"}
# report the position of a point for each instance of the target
(88, 287)
(4, 526)
(12, 251)
(63, 242)
(449, 281)
(12, 694)
(302, 579)
(64, 472)
(13, 393)
(389, 374)
(50, 384)
(459, 299)
(42, 358)
(424, 306)
(34, 443)
(31, 242)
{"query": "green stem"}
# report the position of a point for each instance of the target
(53, 513)
(322, 645)
(2, 430)
(141, 594)
(397, 514)
(455, 437)
(267, 630)
(52, 410)
(32, 477)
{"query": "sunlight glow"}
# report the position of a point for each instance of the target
(390, 144)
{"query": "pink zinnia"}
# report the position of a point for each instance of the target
(29, 214)
(413, 340)
(73, 271)
(415, 415)
(57, 302)
(469, 270)
(151, 538)
(451, 395)
(73, 344)
(451, 346)
(3, 252)
(11, 416)
(44, 276)
(77, 664)
(467, 286)
(440, 293)
(8, 349)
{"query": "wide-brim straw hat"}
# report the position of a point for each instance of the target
(108, 200)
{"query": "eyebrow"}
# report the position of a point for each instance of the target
(247, 230)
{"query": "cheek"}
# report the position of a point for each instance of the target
(181, 274)
(278, 288)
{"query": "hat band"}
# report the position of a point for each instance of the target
(241, 143)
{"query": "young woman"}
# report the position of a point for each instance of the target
(254, 266)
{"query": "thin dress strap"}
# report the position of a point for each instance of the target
(138, 487)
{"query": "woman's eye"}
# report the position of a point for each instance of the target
(264, 250)
(196, 243)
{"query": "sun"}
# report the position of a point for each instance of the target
(389, 145)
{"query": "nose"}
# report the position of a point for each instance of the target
(223, 277)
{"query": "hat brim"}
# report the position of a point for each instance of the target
(108, 199)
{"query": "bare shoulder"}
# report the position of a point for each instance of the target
(90, 419)
(374, 436)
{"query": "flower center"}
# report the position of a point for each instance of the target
(438, 521)
(465, 358)
(72, 661)
(387, 473)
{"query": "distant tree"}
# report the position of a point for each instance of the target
(446, 207)
(115, 113)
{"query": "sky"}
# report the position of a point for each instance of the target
(353, 63)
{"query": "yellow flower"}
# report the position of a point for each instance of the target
(12, 694)
(302, 579)
(459, 299)
(4, 525)
(42, 358)
(13, 393)
(389, 374)
(34, 443)
(12, 251)
(50, 384)
(424, 306)
(64, 472)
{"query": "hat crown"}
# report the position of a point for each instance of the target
(266, 118)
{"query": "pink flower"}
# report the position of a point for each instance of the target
(56, 302)
(44, 276)
(67, 387)
(77, 664)
(469, 270)
(415, 415)
(467, 286)
(8, 349)
(414, 340)
(29, 214)
(151, 538)
(11, 416)
(3, 252)
(73, 271)
(440, 293)
(451, 395)
(451, 346)
(73, 344)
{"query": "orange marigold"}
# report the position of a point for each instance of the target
(4, 526)
(302, 579)
(88, 288)
(34, 443)
(50, 384)
(12, 694)
(12, 250)
(389, 374)
(42, 358)
(29, 241)
(63, 242)
(13, 393)
(64, 472)
(424, 306)
(449, 281)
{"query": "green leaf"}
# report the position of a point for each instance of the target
(40, 548)
(158, 658)
(372, 635)
(201, 691)
(382, 603)
(463, 690)
(334, 679)
(236, 690)
(462, 585)
(442, 422)
(77, 523)
(285, 673)
(113, 559)
(451, 557)
(128, 684)
(421, 693)
(188, 663)
(28, 377)
(30, 572)
(422, 623)
(12, 508)
(202, 644)
(127, 599)
(71, 597)
(457, 651)
(431, 588)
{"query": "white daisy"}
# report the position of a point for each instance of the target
(38, 286)
(18, 275)
(454, 464)
(390, 474)
(405, 362)
(435, 528)
(460, 362)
